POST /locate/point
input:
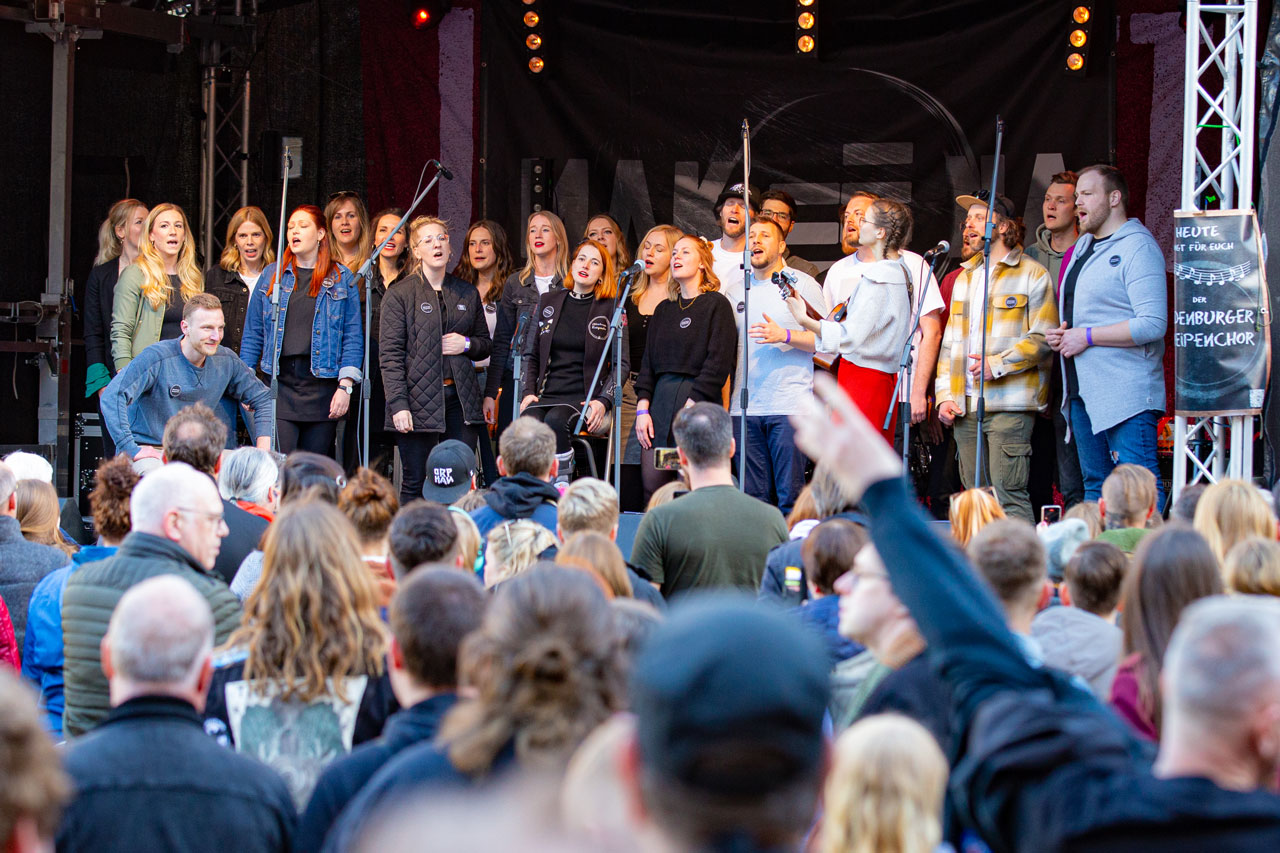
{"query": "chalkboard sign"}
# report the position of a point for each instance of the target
(1221, 334)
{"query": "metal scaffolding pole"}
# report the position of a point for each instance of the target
(224, 152)
(1219, 96)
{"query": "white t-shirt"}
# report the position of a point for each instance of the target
(728, 266)
(251, 281)
(780, 376)
(543, 283)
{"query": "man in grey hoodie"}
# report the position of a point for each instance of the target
(1113, 307)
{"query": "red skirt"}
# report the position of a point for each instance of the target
(872, 392)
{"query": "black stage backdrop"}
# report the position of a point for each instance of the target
(640, 109)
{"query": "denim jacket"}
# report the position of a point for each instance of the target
(337, 336)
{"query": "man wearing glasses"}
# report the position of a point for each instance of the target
(779, 206)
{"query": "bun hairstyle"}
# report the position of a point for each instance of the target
(109, 499)
(895, 218)
(371, 503)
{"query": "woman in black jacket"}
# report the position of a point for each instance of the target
(432, 333)
(561, 360)
(392, 266)
(247, 252)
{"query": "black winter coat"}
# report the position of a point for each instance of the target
(518, 300)
(149, 778)
(99, 295)
(233, 293)
(413, 365)
(538, 348)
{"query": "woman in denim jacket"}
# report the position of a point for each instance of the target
(317, 332)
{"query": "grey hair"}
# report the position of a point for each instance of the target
(247, 474)
(160, 632)
(8, 481)
(161, 491)
(1224, 653)
(29, 466)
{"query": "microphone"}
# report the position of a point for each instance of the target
(448, 176)
(522, 323)
(941, 249)
(634, 269)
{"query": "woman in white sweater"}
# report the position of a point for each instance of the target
(868, 330)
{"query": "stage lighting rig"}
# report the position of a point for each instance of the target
(427, 14)
(807, 27)
(1079, 32)
(534, 38)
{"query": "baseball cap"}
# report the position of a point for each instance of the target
(729, 697)
(450, 467)
(735, 191)
(1003, 206)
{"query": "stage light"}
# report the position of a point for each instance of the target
(535, 36)
(806, 35)
(531, 19)
(1079, 24)
(427, 14)
(536, 65)
(533, 42)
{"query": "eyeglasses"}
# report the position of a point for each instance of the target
(216, 517)
(434, 238)
(873, 224)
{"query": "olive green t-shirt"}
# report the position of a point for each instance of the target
(713, 537)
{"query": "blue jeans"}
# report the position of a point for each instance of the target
(775, 466)
(1131, 441)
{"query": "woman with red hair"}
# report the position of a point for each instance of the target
(317, 340)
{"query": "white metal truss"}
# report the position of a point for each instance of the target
(1219, 97)
(224, 152)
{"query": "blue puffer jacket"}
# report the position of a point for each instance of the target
(337, 336)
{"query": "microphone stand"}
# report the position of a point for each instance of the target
(905, 369)
(275, 303)
(613, 340)
(366, 272)
(744, 394)
(981, 406)
(517, 362)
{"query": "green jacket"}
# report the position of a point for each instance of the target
(135, 325)
(92, 594)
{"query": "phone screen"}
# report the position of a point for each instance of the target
(1051, 513)
(666, 459)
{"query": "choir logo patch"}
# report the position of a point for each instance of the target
(548, 311)
(491, 308)
(742, 306)
(462, 306)
(1010, 301)
(598, 328)
(1114, 260)
(686, 322)
(175, 391)
(426, 307)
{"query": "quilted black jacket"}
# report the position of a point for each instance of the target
(538, 347)
(413, 366)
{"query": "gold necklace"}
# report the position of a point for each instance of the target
(680, 301)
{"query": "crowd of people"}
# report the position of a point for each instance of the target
(264, 644)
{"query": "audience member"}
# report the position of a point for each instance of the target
(470, 547)
(1081, 638)
(902, 681)
(36, 508)
(177, 527)
(1045, 768)
(596, 553)
(303, 475)
(544, 669)
(451, 472)
(1184, 508)
(42, 656)
(30, 466)
(422, 532)
(196, 436)
(10, 653)
(804, 514)
(593, 803)
(471, 501)
(1090, 513)
(302, 679)
(728, 751)
(248, 477)
(370, 503)
(34, 787)
(1232, 510)
(23, 564)
(827, 553)
(512, 548)
(666, 493)
(430, 616)
(147, 778)
(1128, 503)
(591, 504)
(972, 510)
(1009, 557)
(1172, 568)
(635, 621)
(527, 463)
(1252, 567)
(716, 536)
(783, 580)
(884, 792)
(1060, 541)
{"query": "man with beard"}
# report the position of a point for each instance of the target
(1011, 355)
(844, 275)
(1053, 240)
(1113, 314)
(731, 212)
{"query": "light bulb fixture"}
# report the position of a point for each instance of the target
(1079, 25)
(806, 33)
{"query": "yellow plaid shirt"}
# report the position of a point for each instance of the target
(1022, 309)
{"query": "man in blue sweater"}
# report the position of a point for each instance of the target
(171, 375)
(527, 463)
(1113, 305)
(1042, 765)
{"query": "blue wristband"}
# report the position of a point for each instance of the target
(1088, 335)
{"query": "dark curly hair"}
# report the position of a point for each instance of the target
(109, 500)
